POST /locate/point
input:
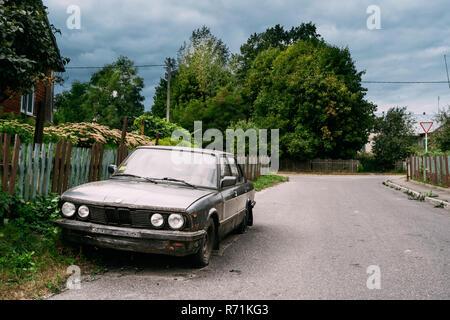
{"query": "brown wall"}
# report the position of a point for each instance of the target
(40, 95)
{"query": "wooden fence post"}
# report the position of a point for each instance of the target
(5, 152)
(14, 165)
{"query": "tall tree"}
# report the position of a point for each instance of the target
(27, 46)
(202, 84)
(316, 101)
(114, 92)
(394, 137)
(68, 104)
(274, 37)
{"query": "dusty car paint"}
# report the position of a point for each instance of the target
(227, 207)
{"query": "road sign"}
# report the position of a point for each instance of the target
(426, 126)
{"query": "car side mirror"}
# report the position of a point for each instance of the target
(228, 181)
(112, 168)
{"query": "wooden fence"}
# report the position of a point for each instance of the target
(31, 170)
(254, 166)
(431, 169)
(319, 165)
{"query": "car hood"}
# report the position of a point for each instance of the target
(135, 194)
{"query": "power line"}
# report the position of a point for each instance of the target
(362, 81)
(101, 67)
(404, 82)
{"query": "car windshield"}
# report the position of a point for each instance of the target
(160, 165)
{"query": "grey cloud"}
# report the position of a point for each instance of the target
(410, 46)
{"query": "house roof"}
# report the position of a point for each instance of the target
(60, 66)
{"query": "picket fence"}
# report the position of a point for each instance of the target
(38, 169)
(431, 169)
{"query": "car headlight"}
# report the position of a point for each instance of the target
(157, 220)
(68, 209)
(176, 221)
(83, 212)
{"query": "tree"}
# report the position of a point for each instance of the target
(202, 84)
(394, 137)
(68, 104)
(275, 37)
(311, 92)
(27, 46)
(440, 138)
(111, 94)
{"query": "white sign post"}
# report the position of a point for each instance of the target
(426, 126)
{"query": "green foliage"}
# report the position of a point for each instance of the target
(275, 37)
(29, 231)
(24, 130)
(202, 85)
(38, 215)
(154, 124)
(169, 142)
(80, 134)
(69, 103)
(27, 46)
(314, 101)
(215, 112)
(440, 138)
(394, 137)
(245, 126)
(111, 94)
(7, 204)
(367, 163)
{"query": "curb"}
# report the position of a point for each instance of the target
(433, 201)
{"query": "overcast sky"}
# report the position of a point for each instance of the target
(410, 45)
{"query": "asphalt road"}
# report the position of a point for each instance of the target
(314, 238)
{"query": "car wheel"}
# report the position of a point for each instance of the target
(243, 227)
(201, 258)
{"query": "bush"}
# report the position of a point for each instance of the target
(85, 134)
(80, 134)
(154, 124)
(169, 142)
(29, 230)
(368, 163)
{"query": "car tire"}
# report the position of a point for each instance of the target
(203, 255)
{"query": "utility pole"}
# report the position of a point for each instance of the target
(446, 68)
(169, 73)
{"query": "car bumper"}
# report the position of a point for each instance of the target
(176, 243)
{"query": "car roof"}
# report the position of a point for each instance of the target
(200, 150)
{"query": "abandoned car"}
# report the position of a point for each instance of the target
(163, 200)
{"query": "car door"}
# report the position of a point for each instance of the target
(240, 187)
(228, 193)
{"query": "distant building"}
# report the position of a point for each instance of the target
(418, 131)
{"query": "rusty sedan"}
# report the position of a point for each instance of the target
(163, 200)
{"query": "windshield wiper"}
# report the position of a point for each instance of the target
(135, 176)
(177, 180)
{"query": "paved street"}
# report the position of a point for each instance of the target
(313, 238)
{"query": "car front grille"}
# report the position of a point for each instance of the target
(124, 217)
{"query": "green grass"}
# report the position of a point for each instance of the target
(34, 265)
(268, 180)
